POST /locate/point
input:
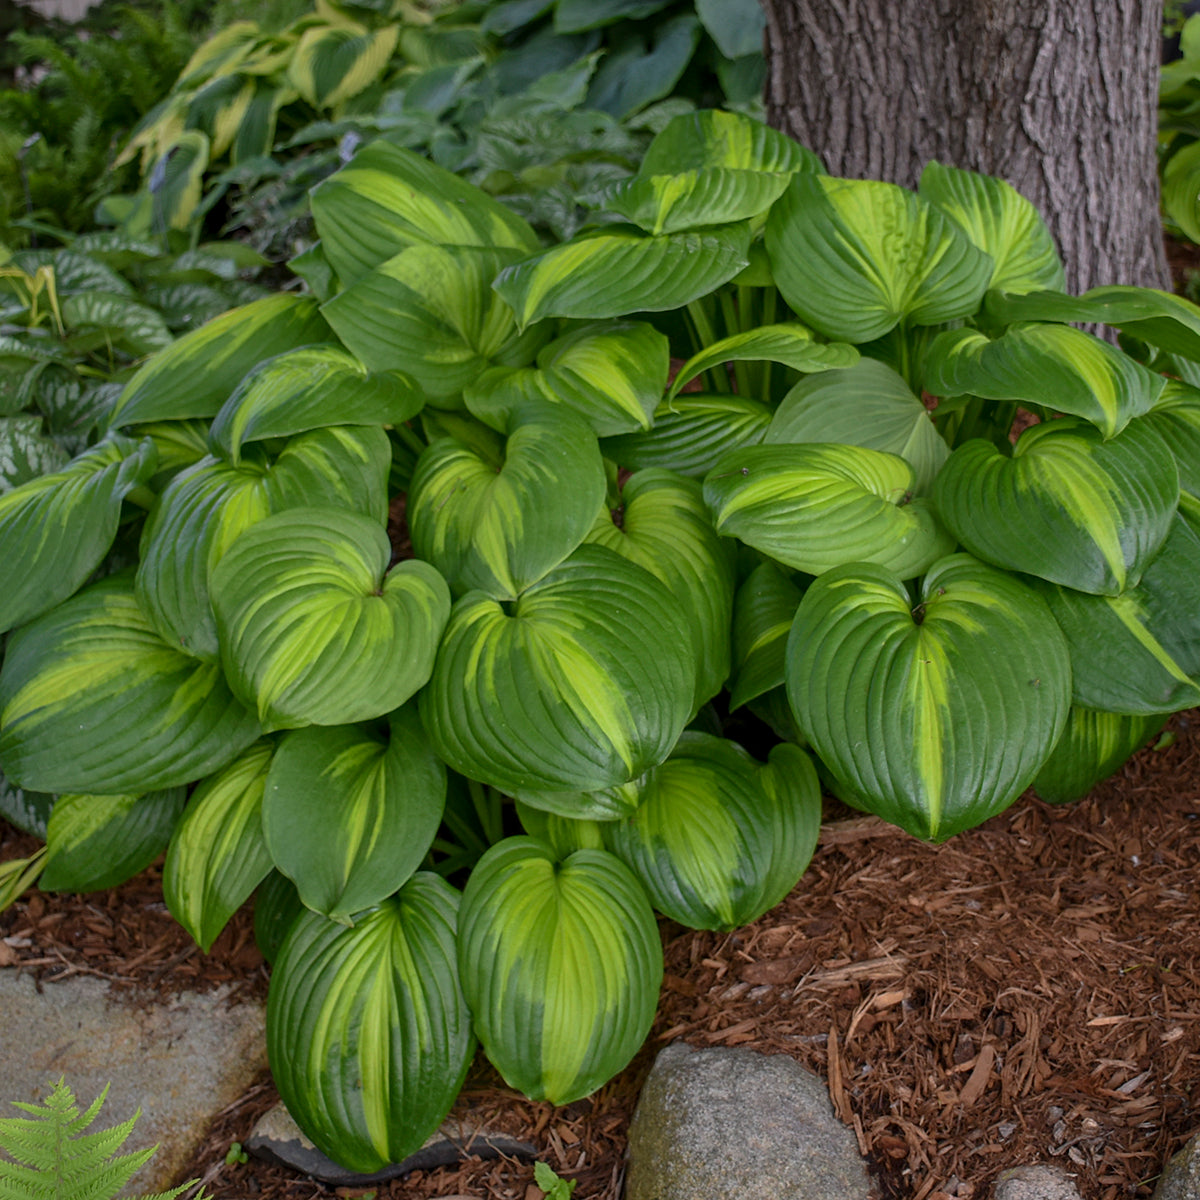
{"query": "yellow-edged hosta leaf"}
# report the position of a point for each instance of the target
(332, 64)
(1093, 746)
(220, 53)
(693, 199)
(714, 138)
(219, 108)
(176, 180)
(763, 610)
(1176, 418)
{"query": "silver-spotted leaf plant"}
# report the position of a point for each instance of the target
(606, 541)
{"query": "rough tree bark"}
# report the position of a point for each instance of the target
(1059, 97)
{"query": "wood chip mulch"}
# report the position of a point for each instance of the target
(1027, 992)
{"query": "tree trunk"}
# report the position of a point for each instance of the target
(1059, 97)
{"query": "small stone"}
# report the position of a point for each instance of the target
(1180, 1179)
(733, 1124)
(1006, 1129)
(1039, 1182)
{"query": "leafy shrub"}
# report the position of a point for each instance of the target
(465, 557)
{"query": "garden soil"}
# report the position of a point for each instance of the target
(1027, 992)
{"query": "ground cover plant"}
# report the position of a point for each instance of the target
(938, 539)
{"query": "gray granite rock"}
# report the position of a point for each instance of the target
(1180, 1179)
(732, 1124)
(277, 1138)
(1035, 1182)
(180, 1062)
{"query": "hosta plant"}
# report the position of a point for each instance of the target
(483, 549)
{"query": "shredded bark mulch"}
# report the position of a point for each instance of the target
(1027, 992)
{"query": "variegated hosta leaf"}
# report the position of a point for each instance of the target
(603, 804)
(179, 444)
(794, 802)
(662, 524)
(314, 628)
(194, 376)
(56, 529)
(1058, 367)
(714, 138)
(611, 373)
(368, 1034)
(867, 404)
(207, 507)
(1176, 418)
(98, 842)
(332, 63)
(307, 389)
(617, 270)
(854, 257)
(691, 432)
(431, 313)
(499, 526)
(791, 344)
(387, 198)
(179, 177)
(701, 841)
(762, 619)
(695, 198)
(1067, 506)
(349, 815)
(277, 906)
(1092, 747)
(585, 683)
(218, 854)
(93, 700)
(819, 505)
(1138, 652)
(934, 717)
(1001, 222)
(564, 835)
(561, 965)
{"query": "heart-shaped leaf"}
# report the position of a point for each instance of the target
(695, 198)
(763, 610)
(564, 835)
(331, 63)
(1093, 746)
(712, 137)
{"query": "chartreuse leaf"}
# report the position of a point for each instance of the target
(501, 526)
(1061, 368)
(794, 803)
(584, 684)
(207, 507)
(307, 389)
(194, 376)
(430, 312)
(349, 815)
(564, 835)
(59, 527)
(934, 717)
(1093, 746)
(98, 842)
(866, 404)
(611, 373)
(662, 524)
(93, 700)
(1176, 418)
(368, 1033)
(332, 63)
(763, 610)
(387, 198)
(792, 344)
(691, 432)
(314, 628)
(218, 854)
(561, 965)
(1067, 506)
(617, 270)
(819, 505)
(1001, 222)
(853, 258)
(713, 138)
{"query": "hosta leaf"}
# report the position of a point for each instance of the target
(349, 815)
(1067, 506)
(25, 810)
(25, 452)
(563, 835)
(635, 74)
(866, 404)
(431, 313)
(693, 199)
(794, 803)
(179, 444)
(854, 257)
(603, 804)
(561, 965)
(98, 842)
(762, 619)
(122, 320)
(1093, 746)
(332, 63)
(934, 717)
(1181, 190)
(176, 180)
(59, 527)
(309, 388)
(195, 375)
(277, 905)
(218, 854)
(612, 374)
(714, 138)
(93, 700)
(617, 270)
(691, 432)
(1061, 368)
(204, 509)
(387, 198)
(1001, 222)
(368, 1033)
(819, 505)
(662, 524)
(792, 344)
(1176, 419)
(314, 628)
(584, 684)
